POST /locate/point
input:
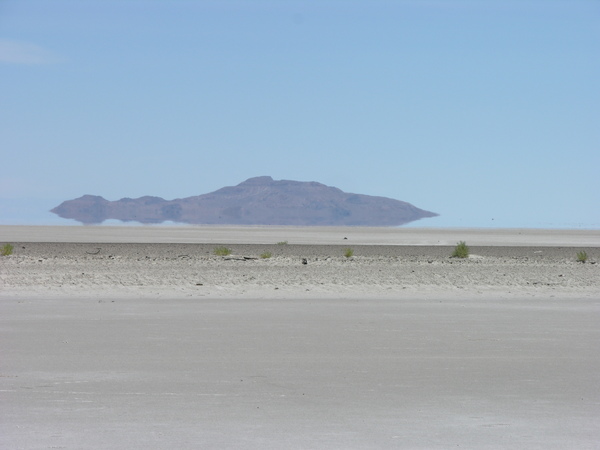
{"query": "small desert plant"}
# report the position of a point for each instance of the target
(348, 253)
(266, 255)
(461, 250)
(6, 250)
(582, 257)
(222, 251)
(282, 243)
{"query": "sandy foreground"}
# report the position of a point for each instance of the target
(142, 337)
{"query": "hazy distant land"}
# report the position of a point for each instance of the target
(256, 201)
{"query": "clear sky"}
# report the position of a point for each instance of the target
(486, 112)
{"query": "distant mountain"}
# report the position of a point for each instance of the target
(256, 201)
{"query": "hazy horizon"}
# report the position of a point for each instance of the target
(39, 217)
(484, 112)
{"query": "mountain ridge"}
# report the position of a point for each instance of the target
(255, 201)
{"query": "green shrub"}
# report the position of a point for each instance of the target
(348, 253)
(582, 257)
(266, 255)
(6, 250)
(461, 250)
(282, 243)
(222, 251)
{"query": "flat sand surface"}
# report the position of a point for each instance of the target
(109, 341)
(301, 235)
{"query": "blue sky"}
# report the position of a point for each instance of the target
(487, 113)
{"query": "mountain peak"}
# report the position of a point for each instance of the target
(257, 180)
